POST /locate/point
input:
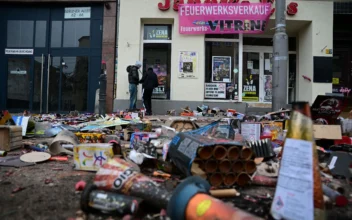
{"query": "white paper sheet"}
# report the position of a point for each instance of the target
(267, 65)
(249, 65)
(294, 192)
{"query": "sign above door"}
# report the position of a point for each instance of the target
(19, 51)
(77, 12)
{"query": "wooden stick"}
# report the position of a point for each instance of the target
(219, 193)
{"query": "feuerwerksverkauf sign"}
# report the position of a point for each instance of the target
(223, 18)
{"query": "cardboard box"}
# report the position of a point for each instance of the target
(330, 132)
(91, 157)
(10, 137)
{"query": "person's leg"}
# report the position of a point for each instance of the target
(143, 100)
(149, 94)
(133, 94)
(135, 97)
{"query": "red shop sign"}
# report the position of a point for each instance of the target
(292, 8)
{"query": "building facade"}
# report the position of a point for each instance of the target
(228, 70)
(52, 53)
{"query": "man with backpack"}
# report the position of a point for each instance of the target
(149, 82)
(133, 79)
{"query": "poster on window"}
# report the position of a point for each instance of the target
(161, 71)
(187, 67)
(250, 91)
(215, 90)
(268, 88)
(221, 67)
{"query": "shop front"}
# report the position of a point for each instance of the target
(51, 55)
(221, 54)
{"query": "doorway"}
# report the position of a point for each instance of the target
(52, 57)
(257, 74)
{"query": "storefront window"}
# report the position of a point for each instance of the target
(20, 33)
(221, 70)
(77, 33)
(268, 77)
(250, 77)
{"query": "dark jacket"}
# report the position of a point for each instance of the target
(133, 76)
(149, 80)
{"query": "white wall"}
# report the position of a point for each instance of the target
(311, 40)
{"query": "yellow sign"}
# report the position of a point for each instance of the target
(335, 81)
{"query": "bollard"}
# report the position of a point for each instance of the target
(102, 89)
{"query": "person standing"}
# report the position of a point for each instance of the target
(133, 79)
(149, 82)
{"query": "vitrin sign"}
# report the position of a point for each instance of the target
(292, 8)
(223, 18)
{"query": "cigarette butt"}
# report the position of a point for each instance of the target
(224, 193)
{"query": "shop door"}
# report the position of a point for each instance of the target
(50, 59)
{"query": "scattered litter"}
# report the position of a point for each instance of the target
(80, 185)
(35, 157)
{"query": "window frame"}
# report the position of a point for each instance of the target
(240, 60)
(171, 26)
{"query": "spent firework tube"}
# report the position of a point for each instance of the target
(264, 181)
(117, 175)
(109, 203)
(191, 201)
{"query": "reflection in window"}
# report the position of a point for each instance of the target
(56, 30)
(20, 33)
(221, 70)
(74, 83)
(292, 78)
(158, 57)
(54, 82)
(77, 33)
(37, 83)
(18, 83)
(40, 33)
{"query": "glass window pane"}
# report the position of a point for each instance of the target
(18, 83)
(38, 62)
(221, 70)
(20, 33)
(77, 33)
(292, 78)
(40, 33)
(250, 76)
(74, 83)
(268, 77)
(56, 31)
(157, 32)
(158, 57)
(54, 82)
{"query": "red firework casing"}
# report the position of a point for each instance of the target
(119, 176)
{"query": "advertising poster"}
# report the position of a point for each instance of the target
(221, 67)
(250, 90)
(188, 61)
(161, 71)
(156, 33)
(215, 90)
(268, 88)
(326, 109)
(209, 18)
